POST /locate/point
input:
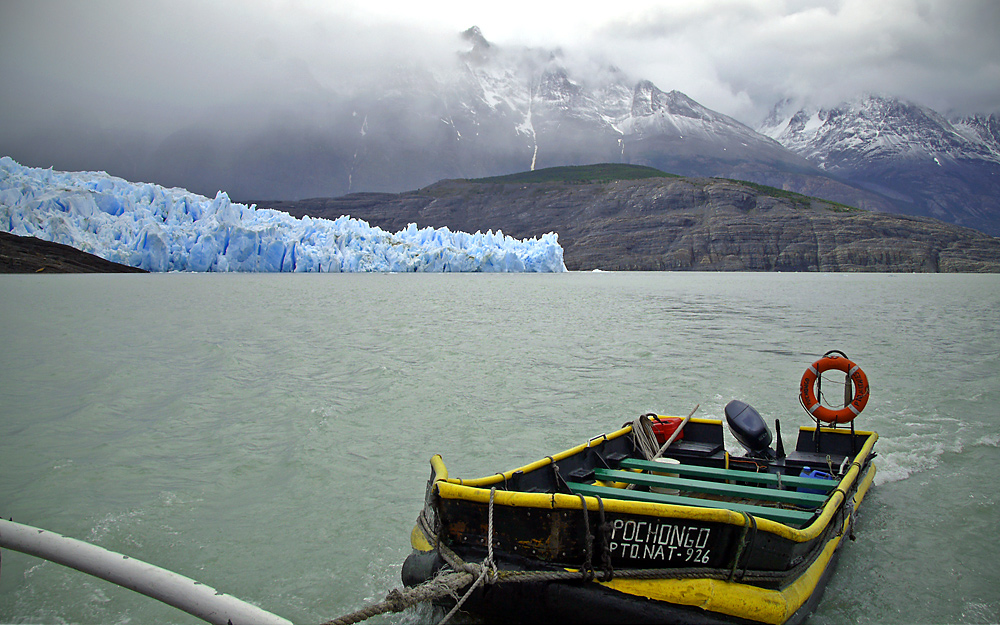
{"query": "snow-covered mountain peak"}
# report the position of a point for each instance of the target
(673, 113)
(982, 129)
(533, 86)
(872, 128)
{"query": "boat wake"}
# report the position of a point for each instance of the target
(919, 443)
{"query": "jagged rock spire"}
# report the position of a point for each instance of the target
(475, 36)
(480, 47)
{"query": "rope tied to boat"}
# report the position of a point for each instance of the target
(748, 522)
(606, 528)
(560, 481)
(487, 569)
(852, 515)
(588, 543)
(461, 573)
(398, 600)
(849, 511)
(448, 582)
(747, 576)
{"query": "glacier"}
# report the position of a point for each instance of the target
(159, 229)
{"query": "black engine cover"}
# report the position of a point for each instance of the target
(749, 428)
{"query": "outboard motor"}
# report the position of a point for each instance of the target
(749, 428)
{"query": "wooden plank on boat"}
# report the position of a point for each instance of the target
(808, 500)
(789, 517)
(730, 474)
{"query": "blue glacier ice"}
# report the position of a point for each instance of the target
(159, 229)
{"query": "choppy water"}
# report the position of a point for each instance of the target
(270, 435)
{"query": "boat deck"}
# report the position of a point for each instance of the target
(791, 500)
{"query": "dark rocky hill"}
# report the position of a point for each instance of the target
(31, 255)
(616, 217)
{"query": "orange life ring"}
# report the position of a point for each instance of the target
(807, 392)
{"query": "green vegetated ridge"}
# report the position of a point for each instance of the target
(584, 174)
(802, 201)
(614, 172)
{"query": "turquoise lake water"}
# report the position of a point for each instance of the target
(269, 435)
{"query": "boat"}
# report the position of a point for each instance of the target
(657, 521)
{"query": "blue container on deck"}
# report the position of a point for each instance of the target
(815, 474)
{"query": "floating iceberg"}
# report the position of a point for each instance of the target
(158, 229)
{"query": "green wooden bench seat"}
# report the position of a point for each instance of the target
(730, 474)
(789, 517)
(807, 500)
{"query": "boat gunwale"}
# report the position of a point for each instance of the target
(479, 491)
(772, 606)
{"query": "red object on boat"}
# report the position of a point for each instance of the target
(663, 427)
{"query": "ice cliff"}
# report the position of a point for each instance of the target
(159, 229)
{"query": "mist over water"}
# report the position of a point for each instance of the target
(270, 435)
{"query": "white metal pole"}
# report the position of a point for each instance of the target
(176, 590)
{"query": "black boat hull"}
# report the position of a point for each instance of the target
(615, 560)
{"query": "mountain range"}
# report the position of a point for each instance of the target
(496, 111)
(499, 111)
(923, 163)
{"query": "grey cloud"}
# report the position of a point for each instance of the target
(107, 83)
(152, 64)
(739, 57)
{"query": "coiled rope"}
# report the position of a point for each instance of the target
(645, 438)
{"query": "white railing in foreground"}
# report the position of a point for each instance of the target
(176, 590)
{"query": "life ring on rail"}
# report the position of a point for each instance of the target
(807, 392)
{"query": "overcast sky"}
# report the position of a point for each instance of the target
(158, 62)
